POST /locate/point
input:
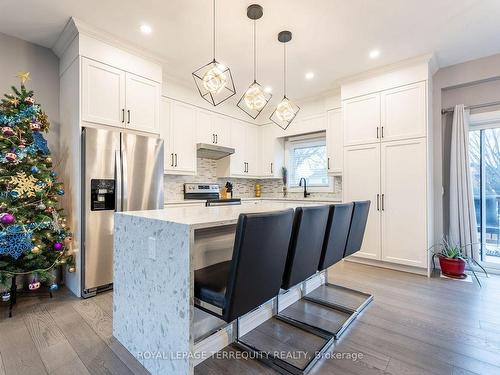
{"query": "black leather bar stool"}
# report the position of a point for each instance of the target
(344, 237)
(233, 288)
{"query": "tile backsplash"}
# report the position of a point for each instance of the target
(242, 187)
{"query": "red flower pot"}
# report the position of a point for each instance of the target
(452, 267)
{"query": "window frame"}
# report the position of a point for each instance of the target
(304, 139)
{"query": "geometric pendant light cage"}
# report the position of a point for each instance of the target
(255, 98)
(286, 110)
(214, 80)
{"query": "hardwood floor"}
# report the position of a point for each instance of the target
(414, 325)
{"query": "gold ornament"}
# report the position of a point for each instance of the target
(23, 76)
(72, 269)
(14, 102)
(36, 250)
(25, 185)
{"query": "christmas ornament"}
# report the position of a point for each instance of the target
(14, 241)
(68, 240)
(35, 127)
(53, 174)
(29, 100)
(54, 287)
(14, 102)
(14, 194)
(34, 169)
(25, 185)
(72, 269)
(41, 207)
(7, 132)
(36, 250)
(50, 209)
(7, 218)
(22, 146)
(58, 246)
(34, 285)
(10, 156)
(5, 297)
(60, 191)
(49, 160)
(23, 76)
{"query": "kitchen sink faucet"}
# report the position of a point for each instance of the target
(306, 194)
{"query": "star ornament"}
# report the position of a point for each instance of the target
(14, 102)
(23, 76)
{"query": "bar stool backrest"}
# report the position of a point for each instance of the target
(358, 226)
(305, 245)
(337, 232)
(259, 257)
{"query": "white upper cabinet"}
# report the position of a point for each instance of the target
(361, 120)
(213, 128)
(271, 151)
(178, 130)
(142, 104)
(403, 209)
(335, 141)
(252, 150)
(113, 97)
(361, 181)
(403, 112)
(103, 94)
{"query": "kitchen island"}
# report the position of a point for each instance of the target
(155, 255)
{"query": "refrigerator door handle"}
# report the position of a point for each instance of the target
(118, 181)
(124, 181)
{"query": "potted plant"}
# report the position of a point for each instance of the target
(451, 259)
(284, 178)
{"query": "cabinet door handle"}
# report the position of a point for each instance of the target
(128, 116)
(377, 132)
(378, 202)
(271, 167)
(217, 139)
(172, 159)
(123, 114)
(382, 132)
(328, 163)
(383, 204)
(176, 160)
(213, 138)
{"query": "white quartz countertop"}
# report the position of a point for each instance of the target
(204, 217)
(275, 199)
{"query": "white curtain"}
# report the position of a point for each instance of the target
(462, 227)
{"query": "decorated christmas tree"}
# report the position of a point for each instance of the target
(34, 238)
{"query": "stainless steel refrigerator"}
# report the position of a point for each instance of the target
(121, 172)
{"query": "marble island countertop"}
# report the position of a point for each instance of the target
(252, 199)
(202, 217)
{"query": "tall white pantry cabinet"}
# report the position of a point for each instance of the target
(386, 161)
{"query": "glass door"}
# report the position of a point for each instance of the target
(484, 149)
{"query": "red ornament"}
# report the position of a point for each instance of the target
(49, 209)
(8, 132)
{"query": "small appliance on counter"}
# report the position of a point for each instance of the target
(258, 190)
(208, 192)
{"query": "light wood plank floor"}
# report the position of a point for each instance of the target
(414, 325)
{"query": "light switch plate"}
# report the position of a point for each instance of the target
(152, 248)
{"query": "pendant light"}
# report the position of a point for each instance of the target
(286, 110)
(214, 80)
(255, 98)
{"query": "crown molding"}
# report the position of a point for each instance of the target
(75, 27)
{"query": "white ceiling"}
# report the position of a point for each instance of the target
(332, 38)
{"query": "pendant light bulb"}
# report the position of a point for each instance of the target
(284, 111)
(255, 98)
(214, 79)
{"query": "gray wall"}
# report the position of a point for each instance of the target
(473, 82)
(17, 55)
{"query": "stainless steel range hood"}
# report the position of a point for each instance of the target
(209, 151)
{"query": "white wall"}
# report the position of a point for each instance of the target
(473, 82)
(18, 55)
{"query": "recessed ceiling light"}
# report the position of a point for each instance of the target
(268, 89)
(374, 54)
(309, 75)
(146, 29)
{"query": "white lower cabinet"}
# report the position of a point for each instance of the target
(178, 130)
(403, 208)
(361, 181)
(393, 176)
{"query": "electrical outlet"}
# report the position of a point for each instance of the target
(152, 248)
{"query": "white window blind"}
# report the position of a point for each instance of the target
(308, 158)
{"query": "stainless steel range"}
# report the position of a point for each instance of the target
(208, 192)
